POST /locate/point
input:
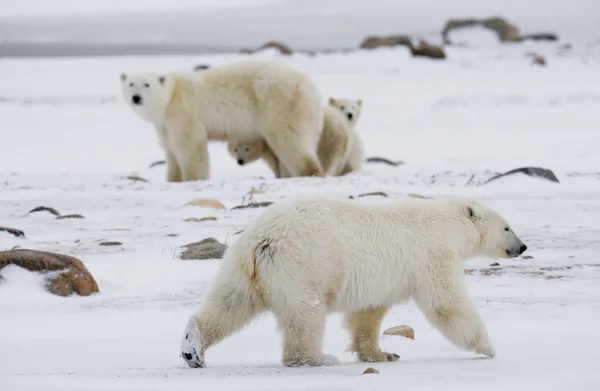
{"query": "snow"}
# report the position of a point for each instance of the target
(68, 140)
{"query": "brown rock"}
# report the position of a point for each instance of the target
(385, 41)
(74, 277)
(468, 272)
(506, 31)
(209, 248)
(421, 196)
(13, 231)
(197, 220)
(201, 67)
(538, 60)
(253, 205)
(375, 193)
(427, 50)
(526, 257)
(281, 47)
(157, 163)
(370, 370)
(383, 160)
(136, 178)
(45, 208)
(402, 330)
(110, 244)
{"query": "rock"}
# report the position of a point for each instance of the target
(506, 31)
(526, 257)
(110, 244)
(71, 216)
(468, 272)
(386, 41)
(209, 248)
(207, 202)
(282, 48)
(45, 208)
(136, 178)
(74, 277)
(253, 205)
(421, 196)
(201, 67)
(538, 60)
(537, 172)
(495, 264)
(539, 37)
(197, 220)
(370, 370)
(375, 193)
(384, 160)
(427, 50)
(13, 231)
(157, 163)
(255, 191)
(402, 330)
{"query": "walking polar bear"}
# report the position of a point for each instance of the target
(340, 150)
(247, 100)
(306, 257)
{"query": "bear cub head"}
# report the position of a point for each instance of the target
(146, 94)
(248, 152)
(349, 108)
(497, 238)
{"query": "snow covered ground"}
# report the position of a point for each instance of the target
(67, 140)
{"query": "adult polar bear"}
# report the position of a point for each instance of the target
(242, 101)
(305, 257)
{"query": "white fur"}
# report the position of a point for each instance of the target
(306, 257)
(244, 101)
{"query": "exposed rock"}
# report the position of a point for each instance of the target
(538, 60)
(421, 196)
(253, 205)
(157, 163)
(45, 208)
(495, 264)
(468, 272)
(427, 50)
(402, 330)
(526, 257)
(281, 47)
(371, 370)
(71, 216)
(197, 220)
(13, 231)
(201, 67)
(531, 171)
(207, 202)
(539, 37)
(384, 160)
(74, 276)
(506, 31)
(209, 248)
(386, 41)
(136, 178)
(375, 193)
(111, 244)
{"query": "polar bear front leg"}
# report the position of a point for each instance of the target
(446, 304)
(364, 326)
(193, 158)
(173, 169)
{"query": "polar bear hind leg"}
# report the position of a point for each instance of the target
(364, 326)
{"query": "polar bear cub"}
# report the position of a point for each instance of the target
(247, 100)
(306, 257)
(340, 149)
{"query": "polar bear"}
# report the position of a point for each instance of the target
(308, 256)
(340, 149)
(246, 100)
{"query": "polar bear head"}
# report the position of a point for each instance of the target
(247, 152)
(350, 108)
(147, 94)
(497, 239)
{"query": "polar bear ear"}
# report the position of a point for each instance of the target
(161, 79)
(331, 101)
(473, 211)
(359, 102)
(123, 77)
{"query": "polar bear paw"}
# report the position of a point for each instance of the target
(191, 346)
(487, 350)
(380, 357)
(325, 360)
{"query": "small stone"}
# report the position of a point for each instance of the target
(495, 264)
(402, 330)
(415, 195)
(13, 231)
(110, 244)
(376, 159)
(371, 370)
(172, 235)
(136, 178)
(209, 248)
(253, 205)
(468, 272)
(157, 163)
(376, 193)
(71, 216)
(207, 202)
(526, 257)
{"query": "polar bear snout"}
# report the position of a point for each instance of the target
(241, 162)
(136, 99)
(350, 116)
(516, 251)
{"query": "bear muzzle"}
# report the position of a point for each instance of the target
(516, 251)
(350, 116)
(241, 162)
(136, 99)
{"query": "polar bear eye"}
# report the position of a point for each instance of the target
(247, 149)
(146, 85)
(506, 229)
(131, 84)
(235, 149)
(342, 108)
